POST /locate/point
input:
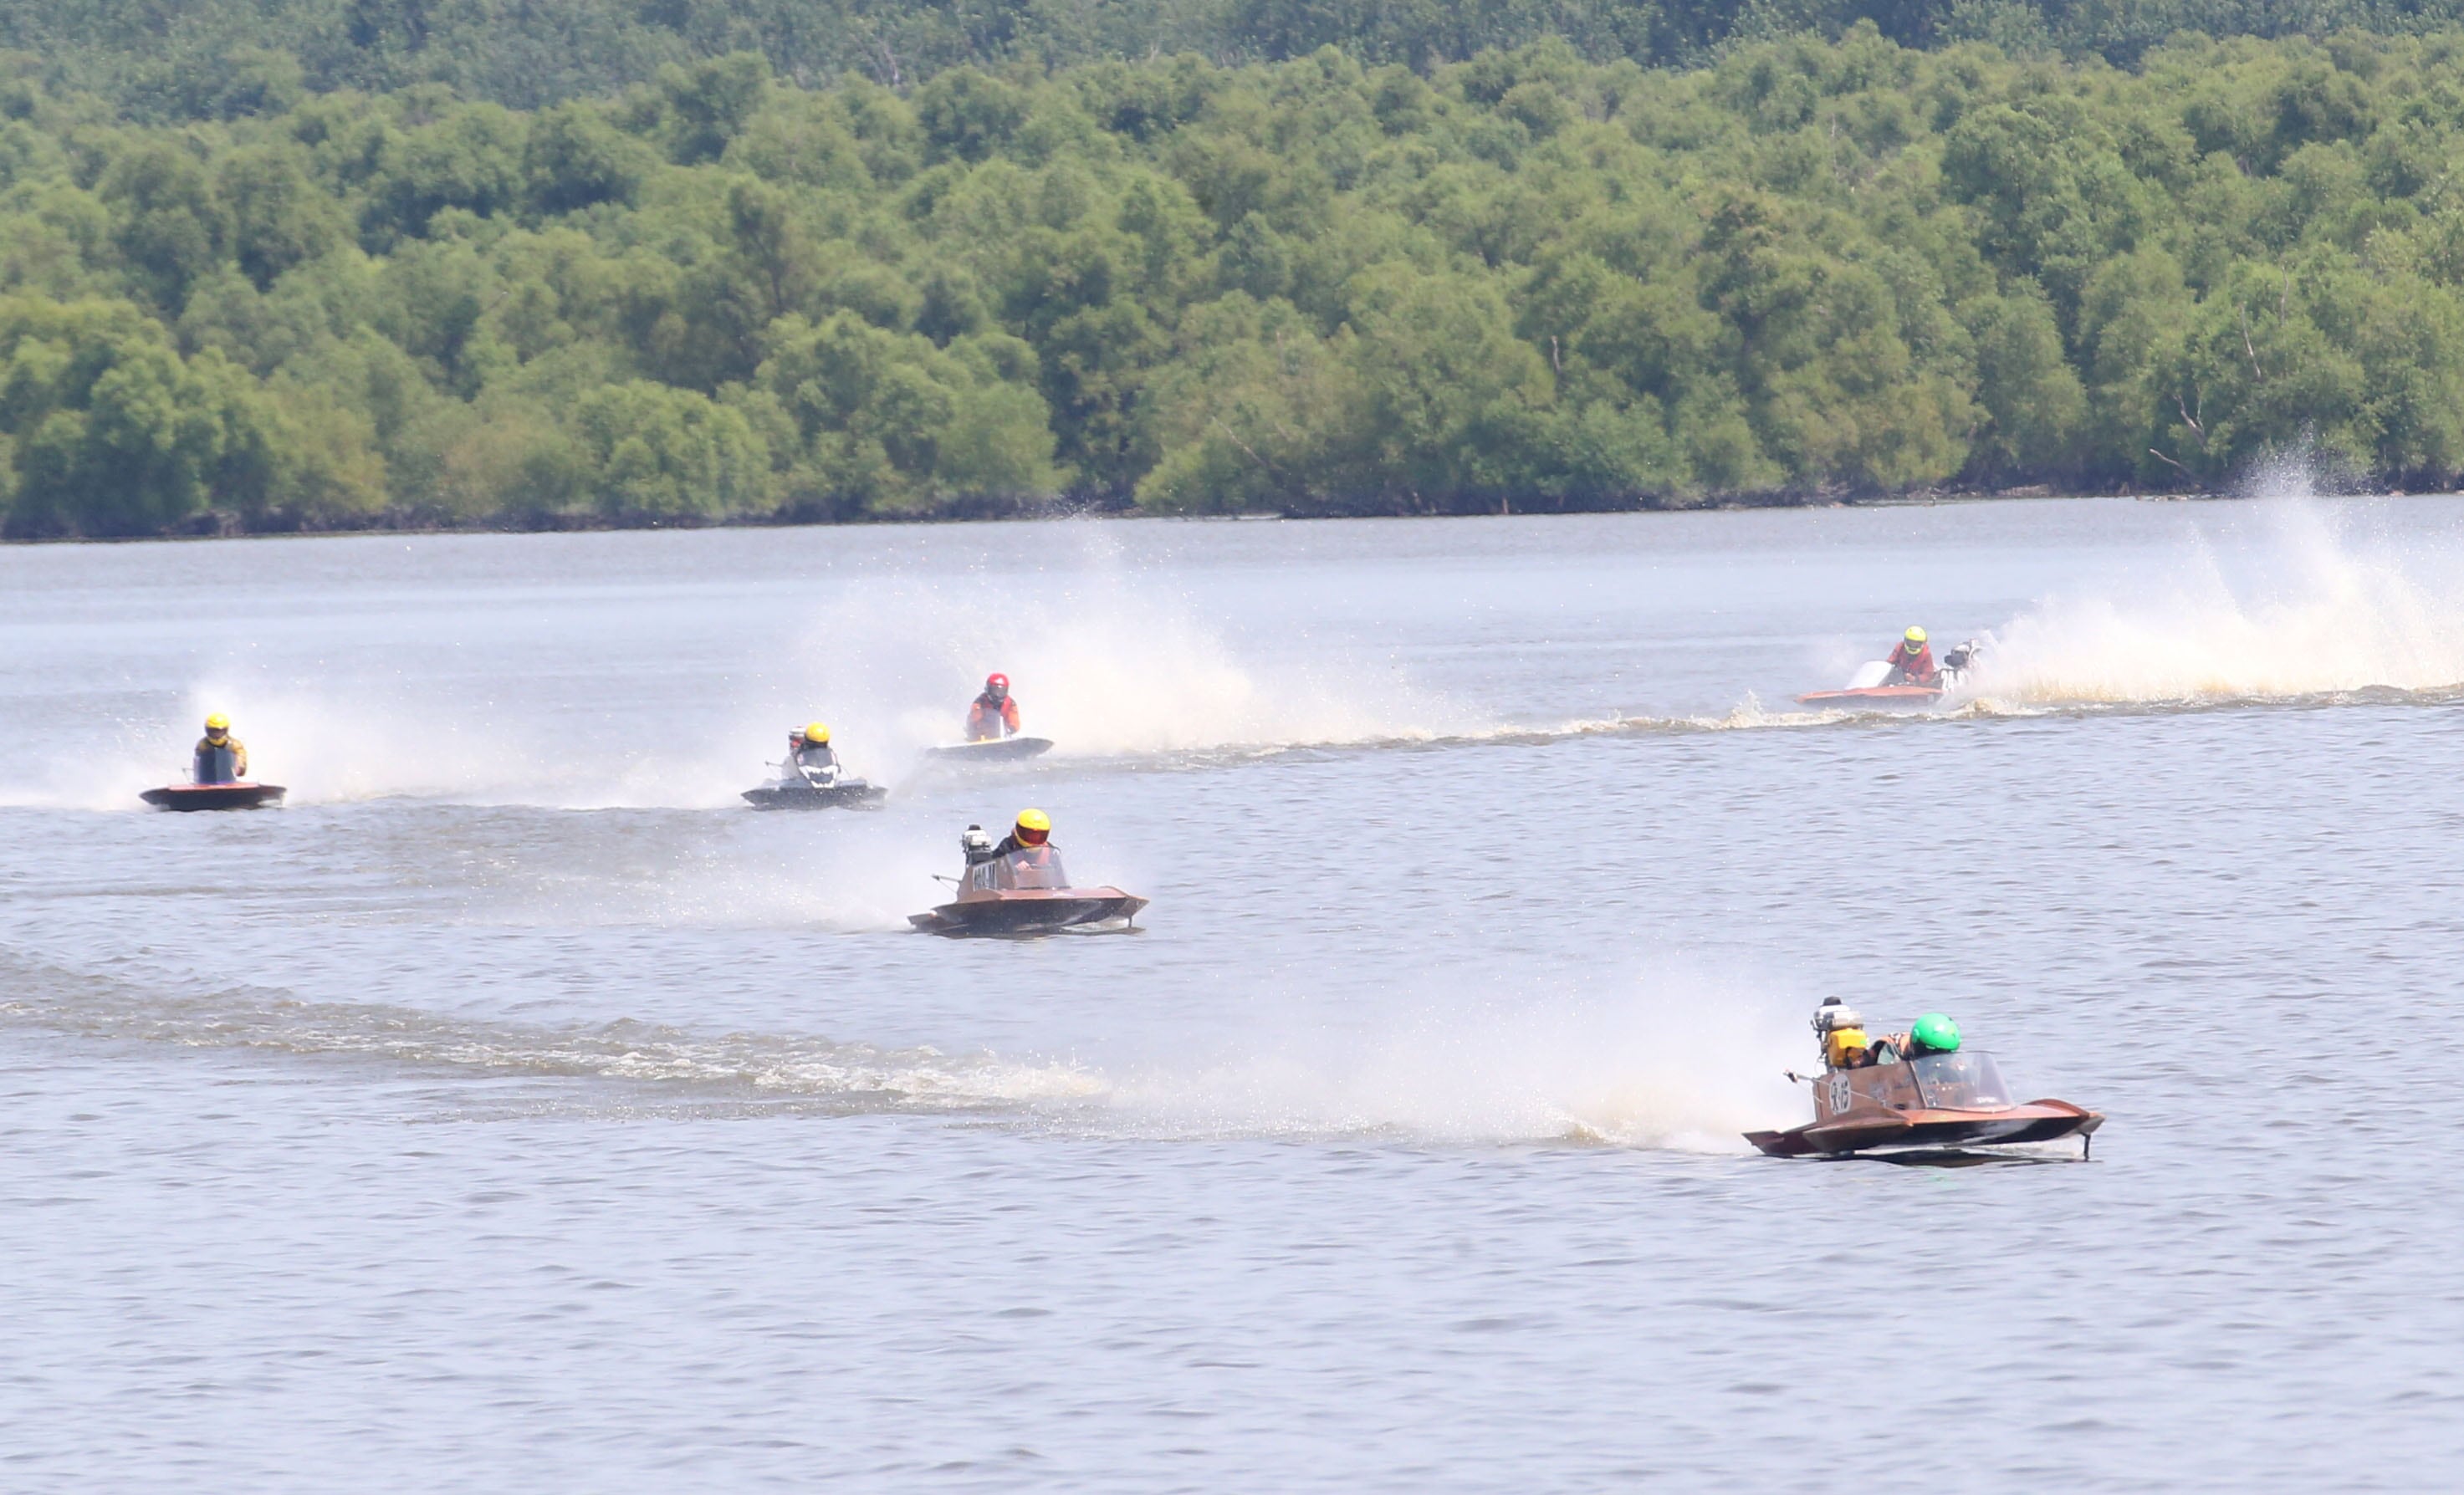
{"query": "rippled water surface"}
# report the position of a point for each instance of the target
(516, 1111)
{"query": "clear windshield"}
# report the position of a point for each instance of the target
(1967, 1080)
(1030, 866)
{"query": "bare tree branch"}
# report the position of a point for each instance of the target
(2191, 420)
(1217, 422)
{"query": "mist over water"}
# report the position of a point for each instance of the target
(1107, 660)
(2298, 601)
(1687, 1066)
(1610, 1073)
(516, 1109)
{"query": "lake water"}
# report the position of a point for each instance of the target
(516, 1111)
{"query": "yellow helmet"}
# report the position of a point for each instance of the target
(1916, 635)
(1034, 820)
(218, 722)
(816, 732)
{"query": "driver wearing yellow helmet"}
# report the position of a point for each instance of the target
(1031, 836)
(1024, 858)
(1912, 662)
(809, 752)
(221, 758)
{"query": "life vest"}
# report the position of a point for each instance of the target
(220, 763)
(988, 718)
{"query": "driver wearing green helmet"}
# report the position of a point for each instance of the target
(1933, 1033)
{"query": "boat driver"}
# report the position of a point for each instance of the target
(1844, 1045)
(1933, 1033)
(809, 752)
(1912, 662)
(993, 714)
(1846, 1048)
(1030, 838)
(221, 758)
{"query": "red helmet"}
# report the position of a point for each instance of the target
(997, 682)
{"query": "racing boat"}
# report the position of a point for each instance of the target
(808, 790)
(1887, 1102)
(1025, 893)
(1871, 686)
(1933, 1100)
(992, 750)
(238, 795)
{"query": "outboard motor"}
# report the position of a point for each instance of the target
(976, 844)
(1956, 664)
(1834, 1014)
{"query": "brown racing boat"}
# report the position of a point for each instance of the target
(1024, 891)
(1880, 1100)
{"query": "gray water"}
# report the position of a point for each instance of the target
(515, 1111)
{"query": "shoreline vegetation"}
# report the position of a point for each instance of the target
(736, 288)
(212, 526)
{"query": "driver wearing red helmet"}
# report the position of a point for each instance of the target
(995, 713)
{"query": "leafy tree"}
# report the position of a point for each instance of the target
(710, 102)
(278, 217)
(164, 219)
(655, 454)
(112, 432)
(1418, 265)
(573, 158)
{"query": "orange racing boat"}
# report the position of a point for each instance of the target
(1873, 685)
(1880, 1100)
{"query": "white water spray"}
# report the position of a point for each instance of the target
(1677, 1061)
(2303, 599)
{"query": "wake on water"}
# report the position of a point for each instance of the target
(2304, 601)
(2285, 597)
(2289, 598)
(1686, 1066)
(2311, 605)
(1106, 663)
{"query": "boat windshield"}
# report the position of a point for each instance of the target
(1030, 866)
(1967, 1080)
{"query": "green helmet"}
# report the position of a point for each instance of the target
(1935, 1033)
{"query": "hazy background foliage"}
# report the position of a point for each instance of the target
(324, 263)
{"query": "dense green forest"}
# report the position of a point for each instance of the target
(175, 59)
(232, 299)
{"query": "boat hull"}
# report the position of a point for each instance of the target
(242, 796)
(856, 795)
(995, 750)
(1870, 1132)
(1027, 911)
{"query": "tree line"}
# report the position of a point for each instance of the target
(215, 58)
(1810, 267)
